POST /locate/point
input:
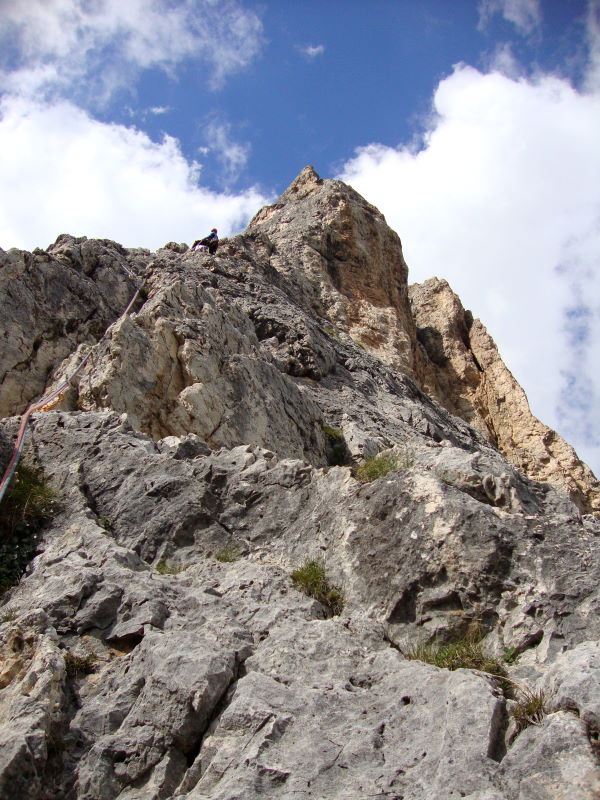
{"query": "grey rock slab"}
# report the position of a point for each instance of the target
(572, 683)
(321, 715)
(420, 554)
(165, 692)
(552, 761)
(31, 695)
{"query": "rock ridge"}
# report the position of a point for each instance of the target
(157, 647)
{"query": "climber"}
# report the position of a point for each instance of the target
(211, 241)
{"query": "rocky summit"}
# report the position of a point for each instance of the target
(307, 539)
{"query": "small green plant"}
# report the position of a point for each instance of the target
(104, 522)
(530, 709)
(27, 504)
(164, 568)
(465, 653)
(510, 654)
(311, 579)
(330, 331)
(79, 665)
(227, 554)
(332, 433)
(376, 467)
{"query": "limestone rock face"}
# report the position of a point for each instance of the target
(52, 301)
(217, 678)
(157, 647)
(463, 371)
(324, 230)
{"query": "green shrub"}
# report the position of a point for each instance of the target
(311, 579)
(227, 554)
(332, 433)
(382, 464)
(163, 568)
(79, 665)
(510, 654)
(531, 709)
(27, 504)
(465, 653)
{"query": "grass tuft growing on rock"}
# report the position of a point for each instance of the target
(530, 709)
(227, 554)
(164, 568)
(332, 433)
(382, 464)
(376, 467)
(79, 665)
(465, 653)
(310, 578)
(27, 504)
(511, 654)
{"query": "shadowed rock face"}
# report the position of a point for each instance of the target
(53, 300)
(157, 648)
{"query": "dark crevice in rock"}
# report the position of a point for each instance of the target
(498, 727)
(64, 747)
(593, 735)
(87, 493)
(128, 642)
(191, 755)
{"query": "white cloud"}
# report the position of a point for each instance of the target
(69, 173)
(503, 200)
(312, 51)
(55, 46)
(231, 154)
(526, 15)
(504, 61)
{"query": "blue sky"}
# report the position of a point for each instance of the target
(472, 124)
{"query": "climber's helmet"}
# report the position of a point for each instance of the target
(214, 230)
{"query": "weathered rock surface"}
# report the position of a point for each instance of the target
(222, 680)
(5, 450)
(52, 300)
(465, 373)
(157, 648)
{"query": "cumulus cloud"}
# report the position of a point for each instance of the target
(69, 173)
(53, 46)
(312, 51)
(525, 15)
(503, 201)
(231, 154)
